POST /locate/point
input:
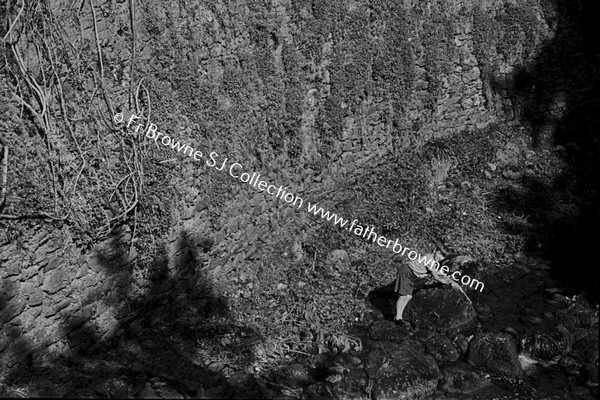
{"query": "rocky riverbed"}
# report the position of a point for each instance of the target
(525, 337)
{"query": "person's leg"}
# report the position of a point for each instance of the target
(401, 305)
(405, 290)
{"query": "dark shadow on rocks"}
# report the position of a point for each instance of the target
(558, 97)
(148, 344)
(16, 352)
(383, 299)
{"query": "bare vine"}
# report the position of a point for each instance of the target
(82, 168)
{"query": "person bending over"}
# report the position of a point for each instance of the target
(408, 273)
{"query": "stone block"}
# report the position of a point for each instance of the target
(35, 299)
(61, 306)
(82, 271)
(3, 340)
(35, 310)
(13, 268)
(55, 281)
(53, 264)
(47, 310)
(14, 308)
(40, 277)
(90, 280)
(28, 321)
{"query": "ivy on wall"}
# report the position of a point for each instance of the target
(437, 42)
(393, 70)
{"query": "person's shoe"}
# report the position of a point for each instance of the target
(402, 323)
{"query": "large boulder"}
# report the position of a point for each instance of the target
(547, 346)
(342, 377)
(387, 330)
(461, 379)
(496, 353)
(441, 347)
(445, 309)
(401, 371)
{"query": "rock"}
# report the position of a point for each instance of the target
(338, 258)
(54, 281)
(402, 371)
(297, 250)
(444, 309)
(12, 309)
(590, 373)
(200, 205)
(148, 392)
(569, 365)
(511, 331)
(512, 175)
(206, 243)
(586, 350)
(114, 388)
(297, 375)
(547, 346)
(35, 299)
(540, 266)
(532, 320)
(334, 378)
(3, 340)
(345, 377)
(344, 389)
(523, 268)
(554, 303)
(462, 343)
(13, 269)
(526, 362)
(560, 299)
(496, 353)
(7, 292)
(441, 348)
(520, 257)
(251, 234)
(168, 393)
(387, 330)
(461, 379)
(579, 318)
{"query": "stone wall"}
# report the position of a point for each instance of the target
(57, 297)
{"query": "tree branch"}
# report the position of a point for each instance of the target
(14, 22)
(4, 174)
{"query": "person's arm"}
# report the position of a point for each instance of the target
(439, 277)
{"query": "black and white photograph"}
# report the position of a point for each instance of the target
(300, 199)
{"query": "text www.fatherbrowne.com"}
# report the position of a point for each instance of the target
(236, 170)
